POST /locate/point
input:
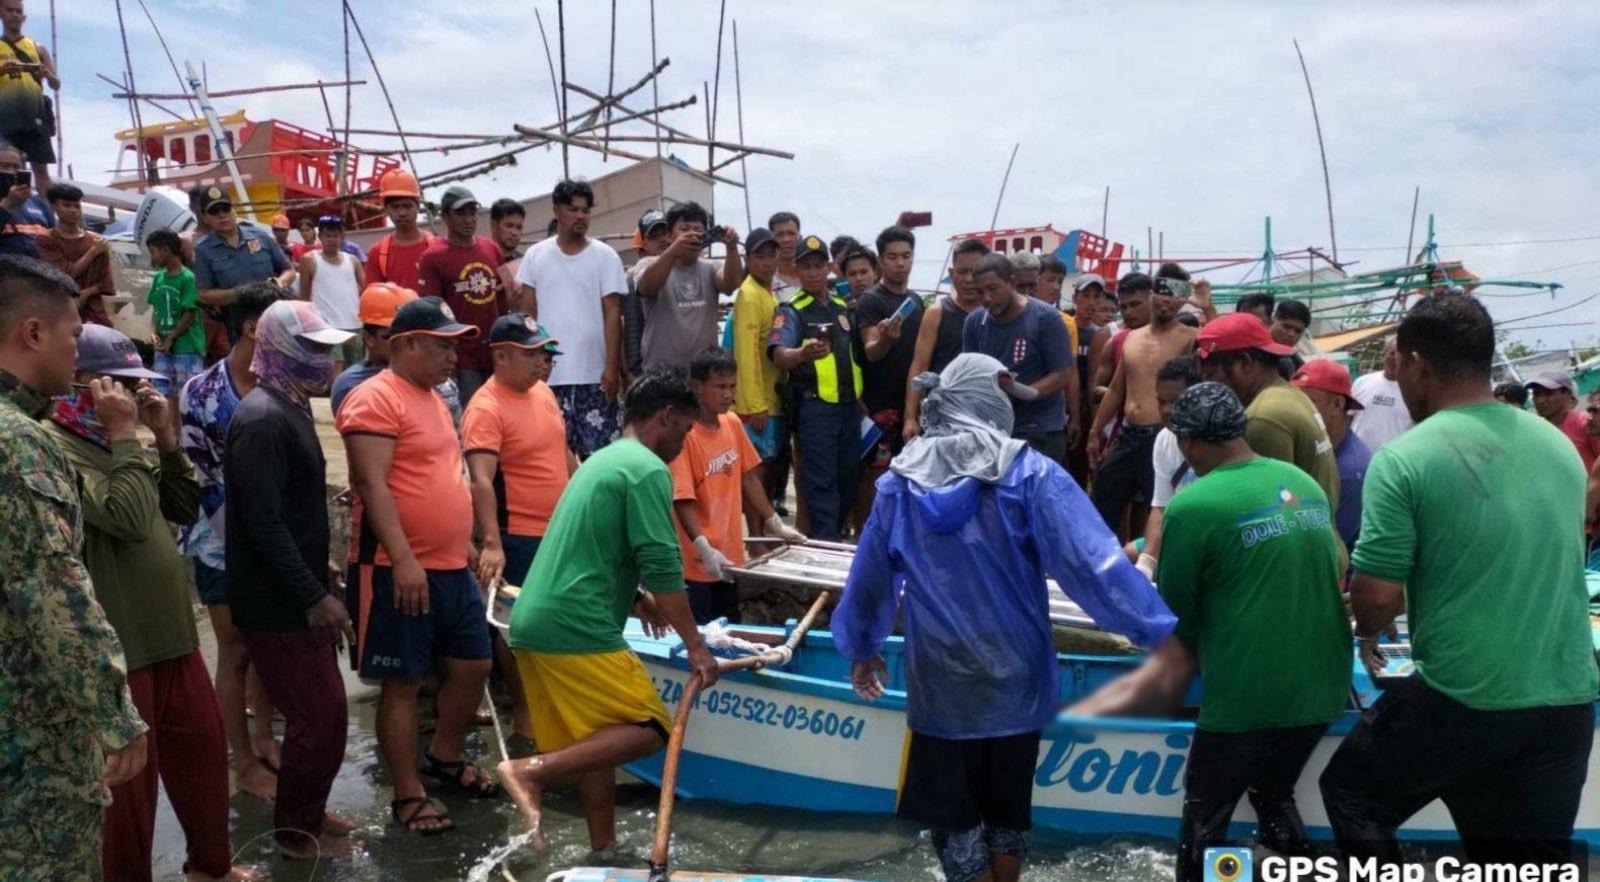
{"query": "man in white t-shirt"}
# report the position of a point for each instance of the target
(1171, 472)
(1383, 414)
(573, 285)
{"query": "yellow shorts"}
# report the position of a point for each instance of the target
(572, 695)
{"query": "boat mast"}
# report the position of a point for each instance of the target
(219, 137)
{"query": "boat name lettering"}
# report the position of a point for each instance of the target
(761, 712)
(1094, 769)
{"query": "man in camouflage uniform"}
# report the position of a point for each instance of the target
(68, 727)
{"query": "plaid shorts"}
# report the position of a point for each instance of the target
(592, 422)
(175, 371)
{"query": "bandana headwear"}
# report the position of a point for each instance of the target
(286, 363)
(1208, 412)
(75, 412)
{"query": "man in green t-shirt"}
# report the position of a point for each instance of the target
(1250, 565)
(180, 342)
(592, 704)
(1239, 352)
(1472, 524)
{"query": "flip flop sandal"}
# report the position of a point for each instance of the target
(416, 815)
(452, 774)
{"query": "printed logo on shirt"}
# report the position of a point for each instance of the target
(253, 246)
(1019, 350)
(723, 463)
(477, 283)
(1383, 400)
(1276, 521)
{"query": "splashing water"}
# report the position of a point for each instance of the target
(479, 872)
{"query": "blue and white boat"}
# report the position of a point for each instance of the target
(798, 736)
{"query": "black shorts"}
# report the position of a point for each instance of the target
(957, 785)
(34, 144)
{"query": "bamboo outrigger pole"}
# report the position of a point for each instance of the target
(738, 105)
(1327, 184)
(350, 15)
(661, 850)
(133, 105)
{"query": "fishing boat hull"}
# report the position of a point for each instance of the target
(799, 737)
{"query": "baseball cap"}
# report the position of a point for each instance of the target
(308, 324)
(650, 220)
(1208, 412)
(213, 197)
(280, 221)
(109, 352)
(1088, 279)
(457, 197)
(810, 245)
(1328, 376)
(1235, 331)
(516, 329)
(330, 221)
(428, 315)
(1553, 380)
(380, 301)
(758, 237)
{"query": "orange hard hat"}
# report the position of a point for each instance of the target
(380, 300)
(280, 221)
(398, 182)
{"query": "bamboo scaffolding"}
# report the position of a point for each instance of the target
(614, 99)
(157, 105)
(234, 93)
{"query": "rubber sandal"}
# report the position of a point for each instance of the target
(451, 774)
(422, 803)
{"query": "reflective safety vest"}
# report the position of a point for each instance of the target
(822, 377)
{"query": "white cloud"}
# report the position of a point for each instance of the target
(1195, 114)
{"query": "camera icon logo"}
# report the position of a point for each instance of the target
(1229, 865)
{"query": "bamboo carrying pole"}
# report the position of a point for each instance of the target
(660, 852)
(233, 93)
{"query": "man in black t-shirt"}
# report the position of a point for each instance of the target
(888, 316)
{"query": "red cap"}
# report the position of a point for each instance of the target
(1235, 331)
(1327, 376)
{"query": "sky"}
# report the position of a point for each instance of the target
(1194, 114)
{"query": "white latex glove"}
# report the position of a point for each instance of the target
(1147, 565)
(713, 560)
(776, 527)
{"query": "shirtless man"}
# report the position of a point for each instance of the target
(1127, 467)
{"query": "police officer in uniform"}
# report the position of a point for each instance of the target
(811, 340)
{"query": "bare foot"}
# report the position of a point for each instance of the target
(258, 781)
(235, 874)
(519, 778)
(337, 825)
(328, 847)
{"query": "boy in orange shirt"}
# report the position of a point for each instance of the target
(710, 478)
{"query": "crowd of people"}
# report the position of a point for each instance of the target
(601, 438)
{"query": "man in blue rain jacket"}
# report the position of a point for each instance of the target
(966, 525)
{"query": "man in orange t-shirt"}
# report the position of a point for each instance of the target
(710, 478)
(519, 463)
(417, 599)
(516, 446)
